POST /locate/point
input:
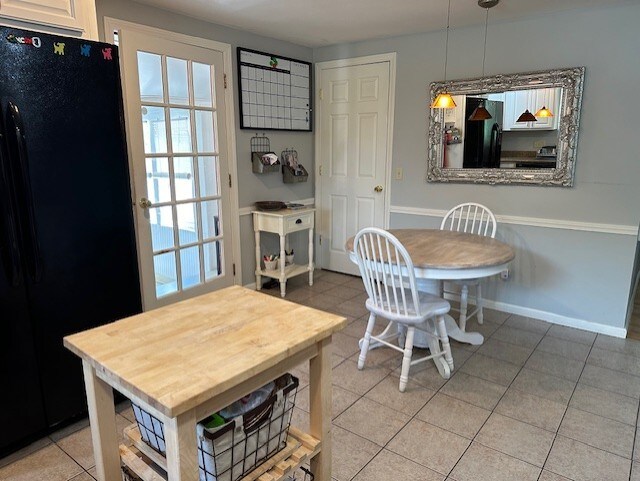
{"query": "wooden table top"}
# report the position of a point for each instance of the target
(183, 354)
(443, 249)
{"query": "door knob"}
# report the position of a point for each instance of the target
(145, 203)
(378, 188)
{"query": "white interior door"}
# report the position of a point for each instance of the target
(177, 134)
(354, 117)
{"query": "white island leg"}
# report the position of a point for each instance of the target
(182, 447)
(283, 258)
(311, 256)
(258, 259)
(102, 416)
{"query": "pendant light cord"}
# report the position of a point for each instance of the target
(486, 28)
(446, 45)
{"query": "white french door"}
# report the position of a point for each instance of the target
(177, 134)
(353, 151)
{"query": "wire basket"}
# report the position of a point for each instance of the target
(260, 145)
(301, 474)
(230, 451)
(128, 475)
(292, 171)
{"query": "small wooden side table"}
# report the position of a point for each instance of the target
(283, 222)
(188, 360)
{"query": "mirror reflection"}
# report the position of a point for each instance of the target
(517, 129)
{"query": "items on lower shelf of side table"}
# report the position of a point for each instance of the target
(283, 222)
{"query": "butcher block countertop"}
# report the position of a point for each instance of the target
(178, 356)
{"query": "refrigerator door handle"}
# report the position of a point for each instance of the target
(9, 214)
(34, 262)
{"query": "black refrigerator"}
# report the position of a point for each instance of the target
(67, 245)
(483, 138)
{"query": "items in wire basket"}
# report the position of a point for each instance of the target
(248, 437)
(292, 170)
(263, 160)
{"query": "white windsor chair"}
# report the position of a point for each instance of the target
(385, 267)
(471, 218)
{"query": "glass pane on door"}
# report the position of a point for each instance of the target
(150, 77)
(177, 78)
(183, 183)
(154, 129)
(158, 184)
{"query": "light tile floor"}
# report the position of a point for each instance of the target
(535, 402)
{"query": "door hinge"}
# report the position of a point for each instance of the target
(320, 169)
(320, 240)
(234, 269)
(320, 94)
(229, 180)
(225, 80)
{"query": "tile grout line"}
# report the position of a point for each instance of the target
(635, 440)
(555, 433)
(493, 411)
(409, 421)
(403, 427)
(555, 436)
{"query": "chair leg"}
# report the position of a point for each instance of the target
(366, 341)
(406, 359)
(479, 301)
(444, 339)
(464, 296)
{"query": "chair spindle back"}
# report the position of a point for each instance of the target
(471, 218)
(385, 266)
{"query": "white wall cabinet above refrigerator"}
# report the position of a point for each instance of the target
(516, 102)
(75, 18)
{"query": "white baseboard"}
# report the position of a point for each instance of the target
(632, 298)
(550, 317)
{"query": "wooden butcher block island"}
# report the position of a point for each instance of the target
(188, 360)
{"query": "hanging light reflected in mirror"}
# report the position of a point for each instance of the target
(480, 113)
(544, 112)
(443, 101)
(527, 116)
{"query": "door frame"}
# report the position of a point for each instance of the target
(320, 67)
(112, 24)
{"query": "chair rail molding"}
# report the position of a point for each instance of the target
(530, 221)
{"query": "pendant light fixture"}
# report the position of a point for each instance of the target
(481, 113)
(444, 100)
(544, 112)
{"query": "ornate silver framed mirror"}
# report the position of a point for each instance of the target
(507, 129)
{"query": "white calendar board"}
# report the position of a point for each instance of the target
(275, 92)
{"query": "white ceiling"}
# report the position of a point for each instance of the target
(316, 23)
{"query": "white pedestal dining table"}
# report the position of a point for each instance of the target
(440, 255)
